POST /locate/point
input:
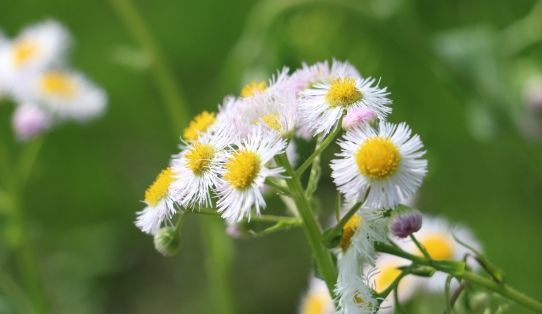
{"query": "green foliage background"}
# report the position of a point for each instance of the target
(452, 78)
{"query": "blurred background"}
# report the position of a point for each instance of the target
(466, 75)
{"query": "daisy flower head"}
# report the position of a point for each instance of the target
(273, 110)
(243, 173)
(65, 94)
(383, 275)
(317, 299)
(309, 75)
(385, 164)
(36, 48)
(277, 81)
(196, 168)
(322, 105)
(437, 236)
(160, 206)
(360, 233)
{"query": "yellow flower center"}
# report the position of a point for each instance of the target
(253, 88)
(23, 51)
(59, 84)
(242, 168)
(159, 188)
(438, 246)
(272, 121)
(386, 277)
(348, 231)
(199, 157)
(343, 92)
(378, 158)
(198, 125)
(314, 304)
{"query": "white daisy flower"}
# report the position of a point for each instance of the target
(384, 273)
(384, 163)
(64, 93)
(160, 206)
(308, 76)
(322, 105)
(36, 48)
(196, 169)
(437, 236)
(317, 299)
(277, 81)
(244, 171)
(275, 110)
(356, 248)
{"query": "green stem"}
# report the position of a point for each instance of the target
(218, 261)
(420, 247)
(311, 227)
(259, 218)
(339, 227)
(319, 149)
(24, 251)
(444, 266)
(173, 98)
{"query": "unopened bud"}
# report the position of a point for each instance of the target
(30, 121)
(166, 241)
(358, 116)
(406, 223)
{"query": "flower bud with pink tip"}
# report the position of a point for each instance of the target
(29, 121)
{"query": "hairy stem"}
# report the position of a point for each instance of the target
(311, 227)
(461, 273)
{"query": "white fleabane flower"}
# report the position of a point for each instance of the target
(274, 110)
(322, 105)
(65, 93)
(196, 169)
(387, 162)
(244, 171)
(317, 299)
(36, 48)
(277, 81)
(202, 123)
(357, 248)
(384, 273)
(160, 206)
(437, 236)
(319, 73)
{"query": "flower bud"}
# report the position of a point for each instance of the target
(166, 241)
(406, 223)
(30, 121)
(358, 116)
(233, 230)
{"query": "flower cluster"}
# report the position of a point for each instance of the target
(35, 75)
(229, 159)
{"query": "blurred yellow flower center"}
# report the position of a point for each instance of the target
(314, 304)
(253, 88)
(24, 51)
(242, 168)
(348, 231)
(198, 125)
(386, 277)
(378, 158)
(199, 157)
(159, 188)
(57, 83)
(343, 92)
(272, 121)
(438, 246)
